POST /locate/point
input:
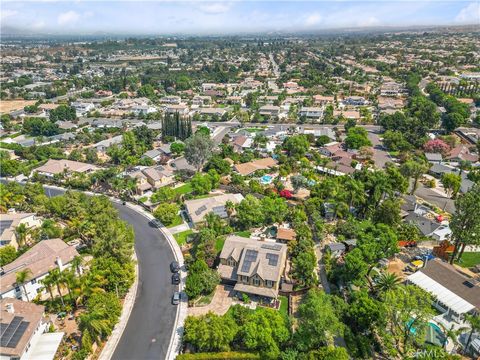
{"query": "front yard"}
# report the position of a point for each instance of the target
(469, 259)
(181, 237)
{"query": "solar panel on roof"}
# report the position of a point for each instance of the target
(3, 327)
(5, 224)
(276, 247)
(10, 330)
(220, 211)
(17, 335)
(250, 257)
(200, 210)
(272, 259)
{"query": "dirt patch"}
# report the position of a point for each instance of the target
(396, 267)
(7, 106)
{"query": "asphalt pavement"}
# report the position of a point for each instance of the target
(151, 323)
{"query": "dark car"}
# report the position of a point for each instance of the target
(176, 298)
(176, 278)
(174, 267)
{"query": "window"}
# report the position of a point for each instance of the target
(269, 283)
(256, 281)
(17, 288)
(231, 262)
(34, 281)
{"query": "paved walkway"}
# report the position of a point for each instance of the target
(179, 228)
(221, 302)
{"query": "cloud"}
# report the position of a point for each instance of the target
(470, 14)
(67, 18)
(215, 7)
(38, 25)
(313, 19)
(7, 13)
(369, 21)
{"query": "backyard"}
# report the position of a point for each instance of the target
(469, 259)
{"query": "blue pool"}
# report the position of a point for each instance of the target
(266, 179)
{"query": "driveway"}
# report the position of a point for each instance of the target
(380, 155)
(221, 302)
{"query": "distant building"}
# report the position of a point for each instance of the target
(249, 168)
(9, 223)
(57, 167)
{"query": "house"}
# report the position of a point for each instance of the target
(40, 259)
(158, 176)
(336, 249)
(461, 153)
(455, 293)
(198, 208)
(56, 167)
(349, 114)
(82, 107)
(9, 223)
(429, 227)
(323, 100)
(25, 333)
(311, 112)
(242, 142)
(180, 109)
(174, 100)
(255, 267)
(212, 112)
(317, 132)
(249, 168)
(103, 145)
(269, 110)
(355, 101)
(285, 234)
(153, 154)
(434, 158)
(142, 184)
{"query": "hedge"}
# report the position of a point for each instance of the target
(231, 355)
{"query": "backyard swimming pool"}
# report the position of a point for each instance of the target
(434, 335)
(266, 179)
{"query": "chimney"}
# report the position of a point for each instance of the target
(59, 263)
(10, 308)
(263, 237)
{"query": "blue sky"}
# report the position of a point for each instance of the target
(226, 17)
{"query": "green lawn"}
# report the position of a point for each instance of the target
(219, 244)
(469, 259)
(181, 237)
(283, 305)
(243, 233)
(184, 189)
(177, 221)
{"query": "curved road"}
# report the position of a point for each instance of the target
(151, 323)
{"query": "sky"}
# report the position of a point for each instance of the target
(227, 17)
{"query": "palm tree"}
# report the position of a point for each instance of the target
(451, 334)
(474, 321)
(88, 284)
(22, 277)
(22, 232)
(67, 278)
(229, 207)
(386, 282)
(95, 324)
(47, 281)
(56, 278)
(76, 264)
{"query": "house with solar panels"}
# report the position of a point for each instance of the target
(23, 333)
(197, 209)
(253, 267)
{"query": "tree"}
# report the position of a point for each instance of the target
(249, 212)
(474, 322)
(201, 280)
(451, 182)
(163, 194)
(297, 145)
(177, 148)
(166, 213)
(304, 267)
(322, 140)
(317, 321)
(357, 137)
(274, 209)
(386, 282)
(201, 183)
(210, 332)
(198, 149)
(453, 120)
(465, 222)
(414, 169)
(63, 113)
(407, 312)
(388, 212)
(22, 277)
(7, 254)
(22, 232)
(436, 146)
(298, 181)
(328, 353)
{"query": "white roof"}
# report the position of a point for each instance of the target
(46, 347)
(447, 297)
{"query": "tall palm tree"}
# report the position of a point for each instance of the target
(386, 282)
(87, 285)
(48, 283)
(229, 207)
(21, 232)
(22, 277)
(56, 278)
(451, 334)
(76, 264)
(474, 322)
(67, 278)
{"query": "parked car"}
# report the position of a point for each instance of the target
(175, 278)
(156, 223)
(174, 267)
(176, 298)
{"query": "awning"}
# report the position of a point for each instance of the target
(447, 297)
(46, 347)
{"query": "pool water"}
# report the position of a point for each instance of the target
(434, 335)
(266, 179)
